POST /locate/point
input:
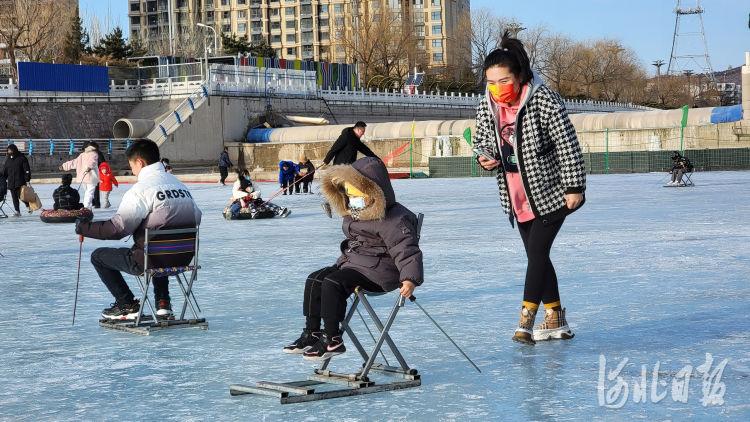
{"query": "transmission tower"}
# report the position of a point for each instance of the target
(689, 57)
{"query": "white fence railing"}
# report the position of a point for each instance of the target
(254, 81)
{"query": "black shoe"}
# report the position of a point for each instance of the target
(122, 312)
(164, 309)
(285, 212)
(325, 348)
(327, 209)
(304, 342)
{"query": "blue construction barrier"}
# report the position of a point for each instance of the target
(726, 114)
(62, 77)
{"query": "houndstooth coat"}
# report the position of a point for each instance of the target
(549, 157)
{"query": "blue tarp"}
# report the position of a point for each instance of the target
(259, 135)
(726, 114)
(62, 77)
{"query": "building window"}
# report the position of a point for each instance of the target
(226, 15)
(436, 16)
(257, 39)
(209, 3)
(419, 31)
(291, 38)
(291, 24)
(289, 11)
(274, 13)
(180, 4)
(437, 29)
(256, 14)
(394, 4)
(275, 38)
(209, 16)
(418, 4)
(242, 27)
(339, 49)
(241, 14)
(292, 51)
(225, 2)
(226, 28)
(305, 9)
(135, 7)
(241, 2)
(322, 21)
(135, 20)
(306, 23)
(419, 17)
(339, 22)
(420, 44)
(323, 9)
(435, 3)
(323, 36)
(256, 24)
(338, 8)
(437, 43)
(276, 25)
(375, 5)
(437, 57)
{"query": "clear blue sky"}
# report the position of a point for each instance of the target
(646, 26)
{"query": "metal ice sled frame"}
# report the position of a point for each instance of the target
(144, 324)
(354, 384)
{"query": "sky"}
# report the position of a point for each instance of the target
(645, 26)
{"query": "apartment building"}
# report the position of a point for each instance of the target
(300, 29)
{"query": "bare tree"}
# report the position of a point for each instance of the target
(31, 28)
(534, 40)
(558, 65)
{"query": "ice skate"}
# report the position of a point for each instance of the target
(554, 327)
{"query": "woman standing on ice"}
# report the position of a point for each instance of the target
(523, 125)
(87, 172)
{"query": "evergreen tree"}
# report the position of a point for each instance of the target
(136, 48)
(234, 45)
(76, 41)
(112, 45)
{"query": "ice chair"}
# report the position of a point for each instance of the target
(686, 179)
(164, 247)
(3, 194)
(356, 383)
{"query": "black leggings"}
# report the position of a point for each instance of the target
(326, 291)
(541, 280)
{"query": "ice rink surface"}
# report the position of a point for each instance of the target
(654, 280)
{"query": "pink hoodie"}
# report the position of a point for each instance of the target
(85, 164)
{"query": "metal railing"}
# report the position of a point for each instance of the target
(184, 110)
(70, 146)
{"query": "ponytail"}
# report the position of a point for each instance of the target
(512, 55)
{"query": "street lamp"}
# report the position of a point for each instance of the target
(205, 48)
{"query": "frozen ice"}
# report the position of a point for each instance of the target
(654, 275)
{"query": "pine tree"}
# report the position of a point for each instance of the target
(76, 41)
(113, 45)
(234, 45)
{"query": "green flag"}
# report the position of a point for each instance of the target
(467, 135)
(684, 115)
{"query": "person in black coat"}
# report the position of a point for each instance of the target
(67, 198)
(305, 175)
(18, 173)
(344, 150)
(224, 165)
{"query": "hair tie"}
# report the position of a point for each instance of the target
(505, 49)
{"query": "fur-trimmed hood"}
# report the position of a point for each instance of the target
(367, 174)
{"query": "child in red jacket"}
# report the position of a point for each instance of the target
(106, 178)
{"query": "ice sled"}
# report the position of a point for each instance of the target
(65, 216)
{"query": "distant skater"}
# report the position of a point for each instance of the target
(224, 165)
(541, 174)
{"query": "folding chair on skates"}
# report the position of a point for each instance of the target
(3, 194)
(178, 245)
(348, 384)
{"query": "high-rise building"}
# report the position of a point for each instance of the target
(327, 30)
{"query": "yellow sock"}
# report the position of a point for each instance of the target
(551, 305)
(530, 306)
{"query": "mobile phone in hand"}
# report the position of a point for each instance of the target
(483, 153)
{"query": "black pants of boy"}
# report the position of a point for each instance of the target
(541, 280)
(288, 183)
(224, 173)
(96, 202)
(326, 291)
(110, 262)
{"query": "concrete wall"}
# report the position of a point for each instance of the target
(57, 120)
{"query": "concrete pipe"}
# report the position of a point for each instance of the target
(132, 128)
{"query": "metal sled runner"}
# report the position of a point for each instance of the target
(353, 384)
(181, 243)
